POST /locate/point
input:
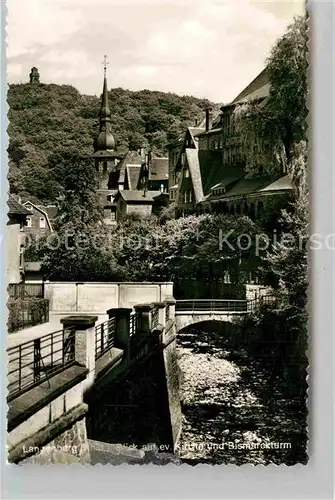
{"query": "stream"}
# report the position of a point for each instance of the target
(234, 410)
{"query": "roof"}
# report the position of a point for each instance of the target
(227, 181)
(245, 186)
(194, 167)
(130, 158)
(159, 169)
(107, 153)
(52, 211)
(15, 208)
(282, 184)
(134, 195)
(211, 131)
(194, 131)
(258, 88)
(213, 171)
(133, 174)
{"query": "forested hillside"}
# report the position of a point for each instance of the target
(48, 122)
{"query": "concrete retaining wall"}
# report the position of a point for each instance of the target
(97, 298)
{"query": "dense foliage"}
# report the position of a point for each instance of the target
(26, 311)
(153, 249)
(49, 123)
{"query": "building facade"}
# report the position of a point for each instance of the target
(210, 175)
(17, 214)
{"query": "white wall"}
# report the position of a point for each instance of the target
(68, 297)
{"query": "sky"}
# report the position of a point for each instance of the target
(205, 48)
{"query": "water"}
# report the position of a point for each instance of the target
(234, 410)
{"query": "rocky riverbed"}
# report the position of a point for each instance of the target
(234, 411)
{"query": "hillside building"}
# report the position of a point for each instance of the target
(208, 171)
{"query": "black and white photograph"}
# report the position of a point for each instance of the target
(157, 232)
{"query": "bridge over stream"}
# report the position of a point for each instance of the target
(91, 379)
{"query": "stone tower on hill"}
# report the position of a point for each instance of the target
(34, 76)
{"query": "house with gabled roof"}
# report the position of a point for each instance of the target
(37, 222)
(210, 174)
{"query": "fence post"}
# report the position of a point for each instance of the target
(171, 302)
(37, 360)
(84, 327)
(161, 312)
(143, 318)
(122, 326)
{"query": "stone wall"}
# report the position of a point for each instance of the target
(254, 291)
(69, 447)
(172, 377)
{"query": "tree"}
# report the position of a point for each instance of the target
(45, 120)
(270, 128)
(76, 251)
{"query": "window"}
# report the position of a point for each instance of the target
(187, 173)
(182, 158)
(29, 207)
(113, 214)
(220, 143)
(191, 196)
(216, 144)
(28, 222)
(42, 222)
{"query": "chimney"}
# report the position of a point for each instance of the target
(209, 119)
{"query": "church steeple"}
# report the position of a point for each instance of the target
(105, 140)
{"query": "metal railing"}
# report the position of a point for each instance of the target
(38, 360)
(211, 305)
(132, 324)
(104, 337)
(257, 302)
(154, 316)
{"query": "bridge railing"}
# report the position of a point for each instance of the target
(211, 305)
(256, 303)
(104, 336)
(35, 361)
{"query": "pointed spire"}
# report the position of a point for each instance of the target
(105, 139)
(105, 112)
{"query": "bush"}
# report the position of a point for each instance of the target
(24, 312)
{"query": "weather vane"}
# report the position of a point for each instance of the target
(105, 63)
